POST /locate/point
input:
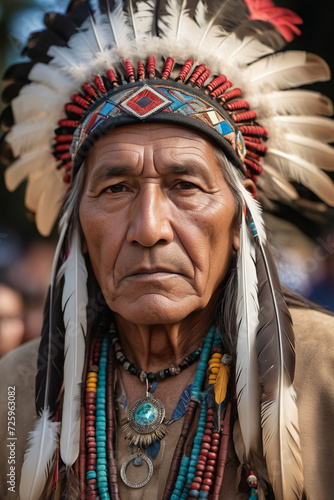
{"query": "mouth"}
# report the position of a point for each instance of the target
(153, 273)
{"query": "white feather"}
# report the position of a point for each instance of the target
(26, 164)
(296, 169)
(74, 303)
(316, 127)
(176, 24)
(286, 70)
(36, 101)
(51, 77)
(278, 427)
(144, 19)
(292, 102)
(311, 150)
(280, 189)
(242, 51)
(50, 201)
(28, 136)
(38, 458)
(255, 209)
(247, 379)
(210, 31)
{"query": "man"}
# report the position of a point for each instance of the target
(159, 205)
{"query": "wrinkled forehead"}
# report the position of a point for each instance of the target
(170, 141)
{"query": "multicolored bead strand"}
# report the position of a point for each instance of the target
(188, 464)
(101, 436)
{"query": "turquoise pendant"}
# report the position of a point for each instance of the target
(146, 421)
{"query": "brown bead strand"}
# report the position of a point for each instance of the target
(225, 434)
(111, 427)
(176, 461)
(205, 468)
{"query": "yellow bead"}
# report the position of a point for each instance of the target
(217, 355)
(216, 364)
(214, 370)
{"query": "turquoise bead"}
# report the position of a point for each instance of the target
(103, 489)
(91, 474)
(101, 467)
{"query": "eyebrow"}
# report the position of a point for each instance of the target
(103, 174)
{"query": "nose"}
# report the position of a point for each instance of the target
(150, 222)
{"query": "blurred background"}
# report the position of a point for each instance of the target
(305, 258)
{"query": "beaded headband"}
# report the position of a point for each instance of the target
(213, 110)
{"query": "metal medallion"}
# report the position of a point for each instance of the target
(136, 458)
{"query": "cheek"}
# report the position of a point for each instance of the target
(100, 241)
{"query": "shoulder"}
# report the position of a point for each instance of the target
(314, 337)
(17, 411)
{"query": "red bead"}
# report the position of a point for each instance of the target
(215, 442)
(90, 434)
(211, 462)
(90, 407)
(205, 487)
(215, 449)
(194, 486)
(91, 481)
(90, 467)
(208, 432)
(204, 451)
(210, 411)
(202, 458)
(199, 473)
(209, 425)
(212, 456)
(209, 418)
(67, 178)
(209, 468)
(208, 475)
(206, 446)
(215, 435)
(200, 467)
(197, 479)
(207, 481)
(185, 69)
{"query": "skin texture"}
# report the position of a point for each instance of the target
(159, 226)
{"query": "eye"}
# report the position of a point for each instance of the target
(116, 188)
(185, 185)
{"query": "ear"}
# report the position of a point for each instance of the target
(250, 186)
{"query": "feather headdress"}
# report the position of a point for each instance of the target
(147, 60)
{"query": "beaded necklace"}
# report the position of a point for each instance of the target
(195, 476)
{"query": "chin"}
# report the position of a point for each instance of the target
(153, 310)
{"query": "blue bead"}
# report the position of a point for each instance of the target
(104, 496)
(102, 474)
(91, 474)
(203, 494)
(193, 493)
(103, 489)
(101, 467)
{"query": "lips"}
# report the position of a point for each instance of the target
(149, 271)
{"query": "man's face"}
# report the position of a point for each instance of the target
(157, 217)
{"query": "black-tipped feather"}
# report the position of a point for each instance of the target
(53, 356)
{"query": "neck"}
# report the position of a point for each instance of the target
(155, 347)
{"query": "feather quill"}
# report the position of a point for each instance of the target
(74, 303)
(280, 189)
(294, 168)
(175, 22)
(276, 361)
(39, 456)
(247, 380)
